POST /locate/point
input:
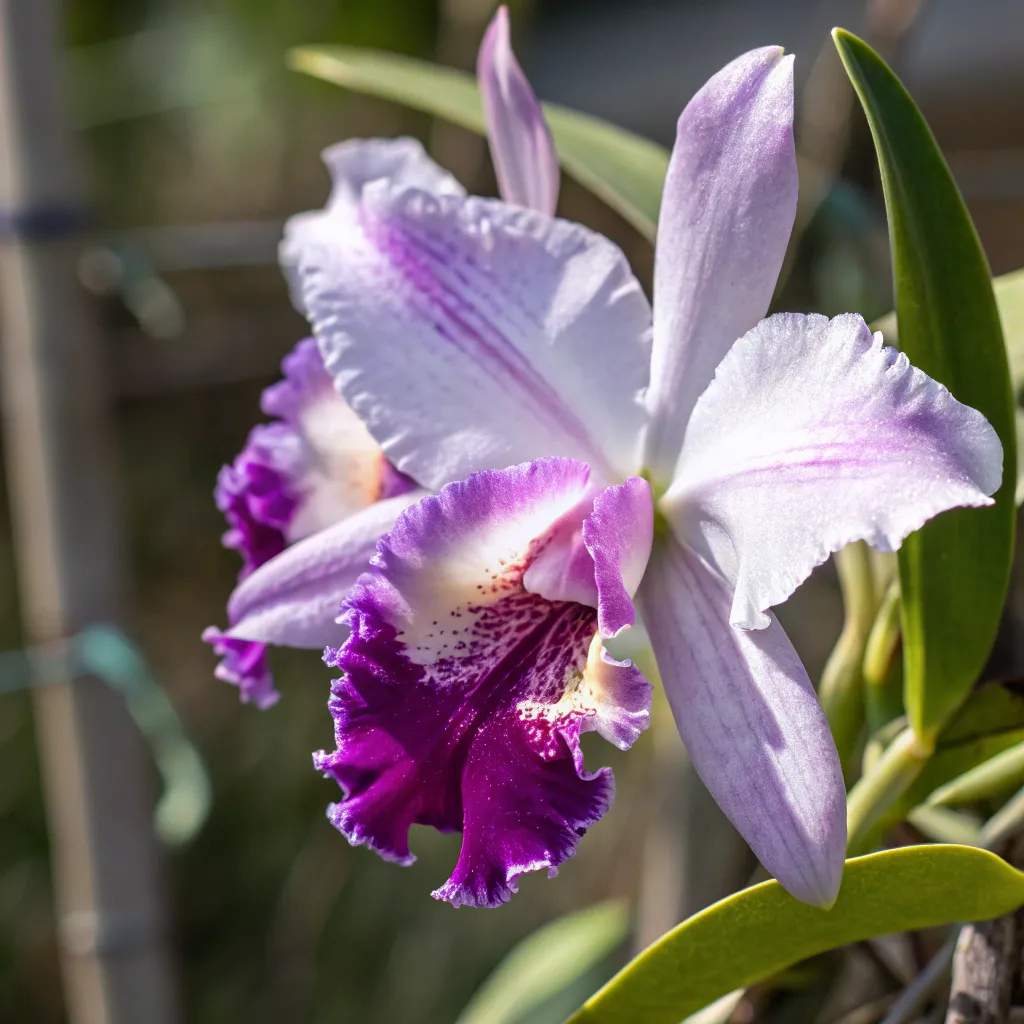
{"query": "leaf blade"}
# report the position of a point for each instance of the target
(757, 932)
(955, 571)
(622, 169)
(546, 962)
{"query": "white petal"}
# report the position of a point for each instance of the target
(469, 334)
(813, 435)
(352, 165)
(294, 599)
(726, 216)
(522, 149)
(751, 723)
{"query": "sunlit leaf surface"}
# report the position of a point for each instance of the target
(755, 933)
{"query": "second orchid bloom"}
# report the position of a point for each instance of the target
(585, 453)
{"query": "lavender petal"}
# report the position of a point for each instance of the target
(751, 723)
(522, 148)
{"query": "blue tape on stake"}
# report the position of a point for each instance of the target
(48, 223)
(105, 652)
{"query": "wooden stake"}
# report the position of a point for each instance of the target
(59, 458)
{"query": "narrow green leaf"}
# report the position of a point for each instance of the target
(1009, 289)
(954, 572)
(1004, 823)
(942, 825)
(547, 962)
(622, 169)
(990, 722)
(991, 778)
(991, 709)
(755, 933)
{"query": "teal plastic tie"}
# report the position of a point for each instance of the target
(103, 651)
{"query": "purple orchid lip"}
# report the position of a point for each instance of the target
(464, 695)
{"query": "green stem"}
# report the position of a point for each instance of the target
(1003, 823)
(889, 778)
(841, 689)
(882, 699)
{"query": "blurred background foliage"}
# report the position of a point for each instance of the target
(199, 143)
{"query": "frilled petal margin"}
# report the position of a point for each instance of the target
(813, 434)
(522, 149)
(257, 494)
(464, 696)
(751, 723)
(243, 663)
(353, 164)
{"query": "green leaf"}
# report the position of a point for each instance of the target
(1009, 289)
(755, 933)
(991, 778)
(991, 709)
(547, 962)
(622, 169)
(942, 825)
(954, 572)
(990, 722)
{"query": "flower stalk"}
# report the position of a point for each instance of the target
(841, 690)
(880, 787)
(879, 658)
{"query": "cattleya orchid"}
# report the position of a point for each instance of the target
(585, 451)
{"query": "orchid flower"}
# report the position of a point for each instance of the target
(316, 476)
(700, 458)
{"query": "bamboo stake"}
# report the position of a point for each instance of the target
(59, 459)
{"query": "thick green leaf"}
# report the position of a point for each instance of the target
(622, 169)
(547, 962)
(755, 933)
(954, 572)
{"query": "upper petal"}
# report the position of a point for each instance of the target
(464, 695)
(352, 165)
(469, 334)
(813, 435)
(522, 149)
(751, 723)
(726, 216)
(294, 599)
